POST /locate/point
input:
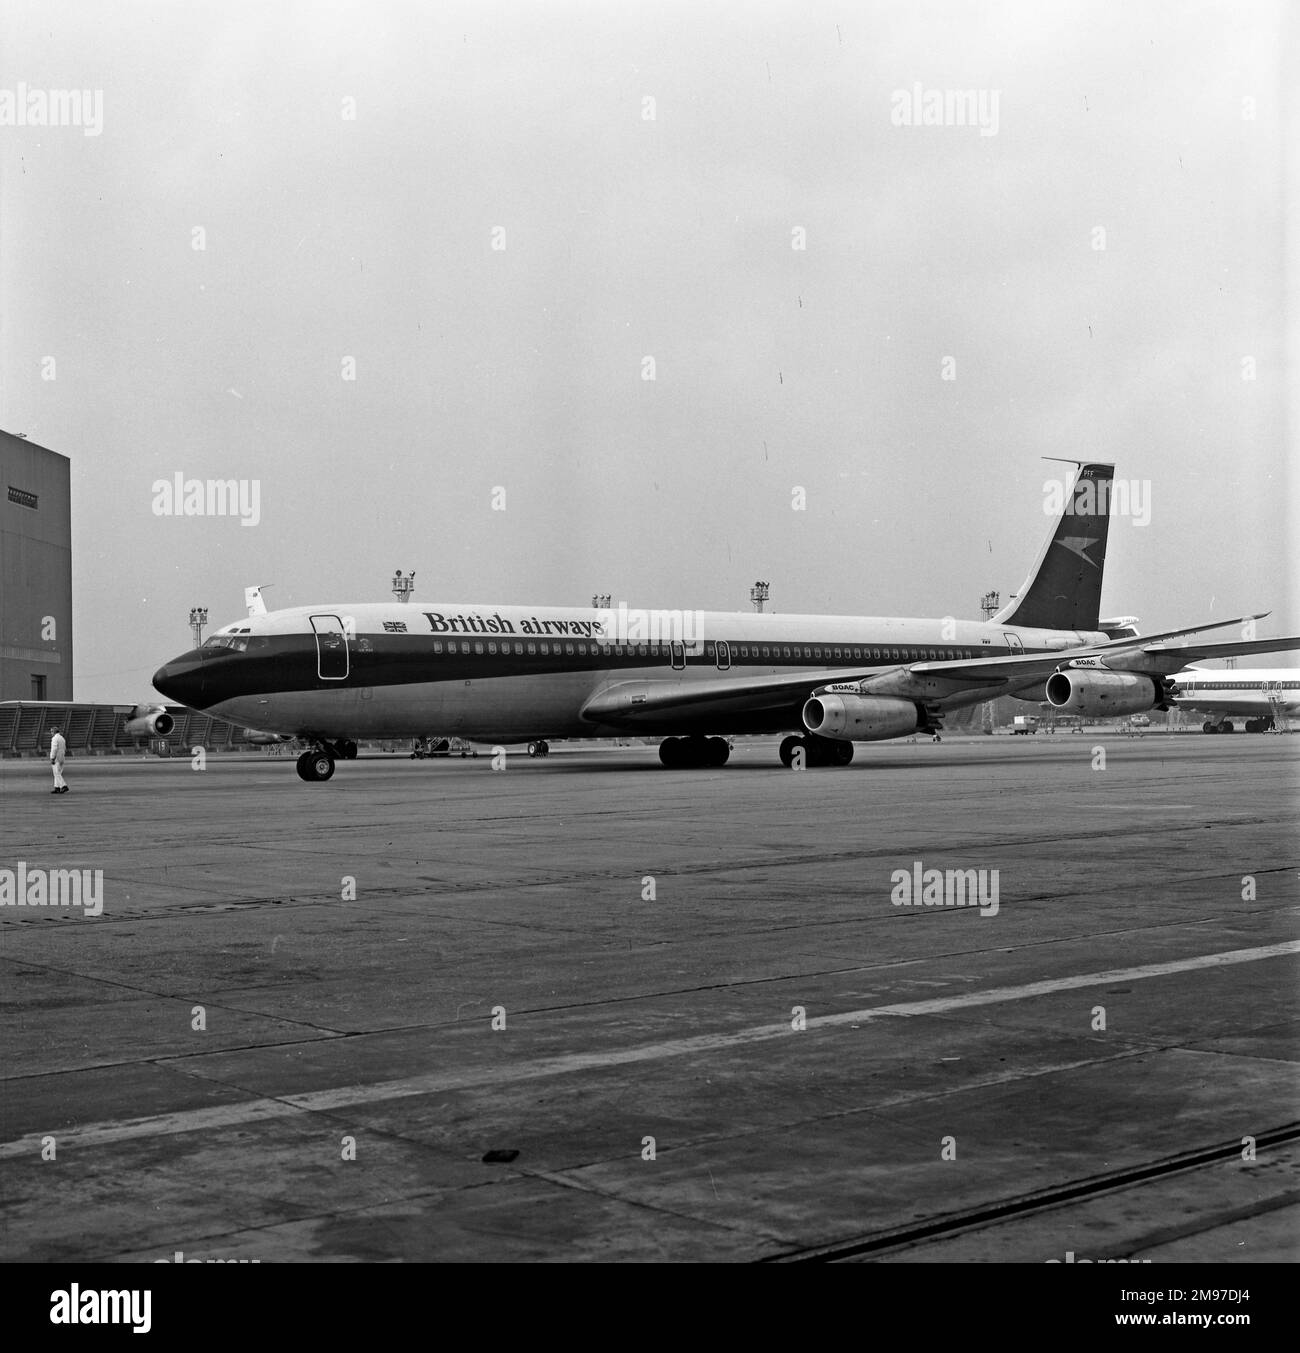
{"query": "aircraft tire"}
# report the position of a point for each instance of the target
(788, 746)
(843, 753)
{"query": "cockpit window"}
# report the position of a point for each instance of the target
(238, 642)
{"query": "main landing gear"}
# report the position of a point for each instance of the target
(816, 751)
(539, 748)
(318, 764)
(1223, 726)
(684, 753)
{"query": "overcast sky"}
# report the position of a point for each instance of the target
(498, 212)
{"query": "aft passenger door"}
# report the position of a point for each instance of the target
(331, 647)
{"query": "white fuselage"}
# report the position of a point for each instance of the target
(1251, 692)
(504, 673)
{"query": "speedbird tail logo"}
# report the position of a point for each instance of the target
(1079, 545)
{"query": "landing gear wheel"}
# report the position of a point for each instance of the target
(1227, 726)
(1208, 727)
(788, 746)
(843, 753)
(348, 750)
(315, 766)
(670, 753)
(716, 752)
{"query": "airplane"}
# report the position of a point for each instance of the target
(1258, 694)
(506, 674)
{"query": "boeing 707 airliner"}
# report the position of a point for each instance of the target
(330, 674)
(1265, 697)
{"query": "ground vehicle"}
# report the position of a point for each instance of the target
(440, 747)
(1025, 723)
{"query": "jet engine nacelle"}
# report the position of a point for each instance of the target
(260, 738)
(1102, 693)
(149, 721)
(859, 718)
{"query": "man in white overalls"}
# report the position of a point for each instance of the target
(57, 749)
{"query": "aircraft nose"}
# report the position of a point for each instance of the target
(181, 682)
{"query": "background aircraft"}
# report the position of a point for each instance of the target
(1263, 696)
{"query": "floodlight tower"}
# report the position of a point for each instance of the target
(758, 594)
(990, 603)
(403, 587)
(600, 601)
(198, 618)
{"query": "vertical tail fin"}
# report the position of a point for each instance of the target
(1063, 590)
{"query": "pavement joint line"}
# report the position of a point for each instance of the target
(580, 1186)
(1070, 1195)
(260, 1110)
(147, 993)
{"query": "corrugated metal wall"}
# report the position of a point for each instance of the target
(25, 728)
